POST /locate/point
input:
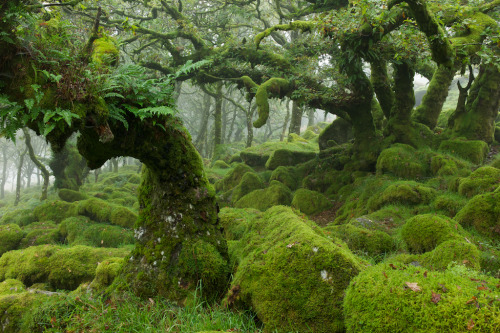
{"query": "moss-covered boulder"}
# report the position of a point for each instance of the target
(71, 196)
(446, 165)
(285, 157)
(484, 179)
(286, 175)
(105, 273)
(310, 202)
(338, 132)
(411, 299)
(459, 251)
(423, 233)
(220, 165)
(373, 242)
(101, 211)
(61, 267)
(11, 286)
(14, 307)
(449, 203)
(474, 151)
(234, 177)
(483, 213)
(55, 211)
(39, 233)
(10, 237)
(309, 135)
(249, 182)
(275, 194)
(257, 156)
(403, 192)
(21, 217)
(289, 273)
(403, 161)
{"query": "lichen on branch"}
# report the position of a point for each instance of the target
(303, 26)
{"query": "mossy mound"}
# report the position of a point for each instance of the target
(249, 182)
(423, 233)
(285, 157)
(14, 307)
(11, 286)
(403, 192)
(101, 211)
(371, 242)
(71, 196)
(39, 233)
(403, 161)
(275, 194)
(484, 179)
(289, 273)
(234, 177)
(459, 251)
(105, 273)
(21, 217)
(310, 202)
(221, 165)
(60, 267)
(80, 230)
(286, 175)
(10, 237)
(446, 165)
(55, 211)
(105, 52)
(309, 135)
(337, 133)
(410, 299)
(257, 156)
(449, 203)
(474, 151)
(483, 213)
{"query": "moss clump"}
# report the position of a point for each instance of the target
(234, 176)
(105, 273)
(407, 193)
(62, 268)
(449, 203)
(10, 237)
(257, 156)
(337, 133)
(40, 233)
(446, 165)
(289, 273)
(105, 52)
(55, 211)
(423, 233)
(13, 308)
(450, 251)
(122, 217)
(310, 202)
(483, 213)
(11, 286)
(379, 300)
(403, 161)
(100, 211)
(21, 217)
(309, 135)
(249, 182)
(285, 157)
(71, 196)
(221, 165)
(286, 175)
(372, 242)
(275, 194)
(484, 179)
(474, 151)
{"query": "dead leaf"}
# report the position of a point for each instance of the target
(425, 274)
(385, 275)
(413, 286)
(482, 288)
(435, 298)
(472, 300)
(471, 324)
(392, 266)
(443, 288)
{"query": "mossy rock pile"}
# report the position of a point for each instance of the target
(449, 203)
(403, 192)
(289, 176)
(289, 273)
(484, 179)
(337, 133)
(257, 156)
(21, 217)
(275, 194)
(55, 211)
(310, 202)
(285, 157)
(403, 161)
(71, 196)
(10, 237)
(411, 299)
(483, 213)
(233, 177)
(249, 182)
(39, 233)
(474, 151)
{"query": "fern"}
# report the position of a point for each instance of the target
(116, 113)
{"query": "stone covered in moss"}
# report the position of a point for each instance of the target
(285, 157)
(337, 133)
(459, 251)
(403, 161)
(21, 217)
(14, 307)
(234, 176)
(61, 267)
(275, 194)
(446, 165)
(70, 195)
(483, 213)
(105, 272)
(484, 179)
(11, 286)
(100, 211)
(221, 165)
(286, 175)
(407, 193)
(449, 203)
(105, 52)
(474, 151)
(411, 299)
(310, 202)
(39, 233)
(309, 135)
(423, 233)
(10, 237)
(55, 211)
(372, 242)
(257, 156)
(289, 273)
(249, 182)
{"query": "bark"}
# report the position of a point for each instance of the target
(310, 117)
(202, 131)
(18, 179)
(39, 165)
(287, 118)
(249, 116)
(114, 162)
(4, 171)
(231, 127)
(177, 227)
(218, 115)
(296, 120)
(382, 86)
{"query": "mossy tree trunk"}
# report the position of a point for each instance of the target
(296, 119)
(285, 124)
(4, 170)
(382, 86)
(218, 115)
(249, 115)
(39, 165)
(477, 122)
(203, 126)
(19, 176)
(178, 238)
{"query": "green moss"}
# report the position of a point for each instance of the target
(337, 133)
(474, 150)
(423, 233)
(445, 165)
(40, 233)
(484, 179)
(290, 274)
(483, 213)
(96, 209)
(11, 286)
(372, 242)
(286, 175)
(309, 135)
(122, 217)
(407, 193)
(221, 165)
(10, 237)
(234, 176)
(70, 195)
(285, 157)
(458, 251)
(105, 272)
(62, 268)
(21, 217)
(55, 211)
(310, 202)
(249, 182)
(274, 87)
(449, 203)
(275, 194)
(105, 52)
(13, 308)
(257, 156)
(403, 161)
(380, 300)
